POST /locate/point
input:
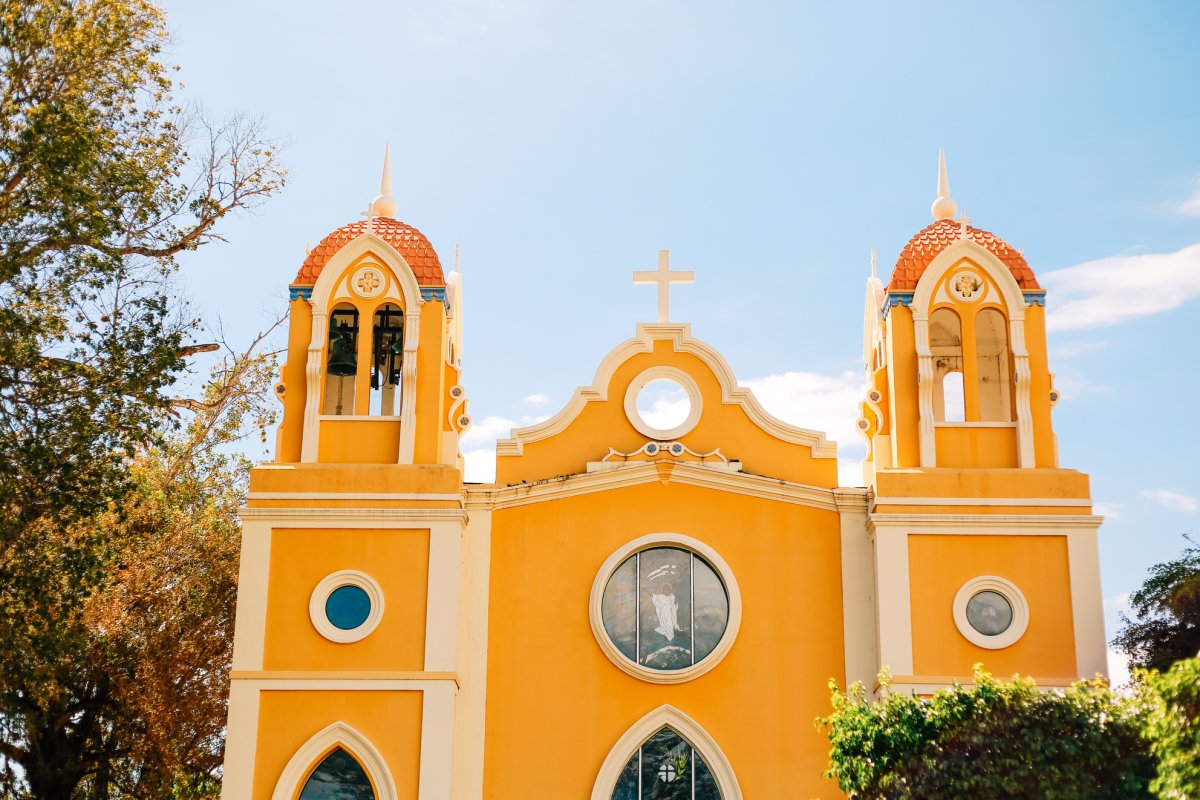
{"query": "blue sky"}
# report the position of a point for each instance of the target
(770, 146)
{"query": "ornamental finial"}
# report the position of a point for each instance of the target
(385, 205)
(944, 206)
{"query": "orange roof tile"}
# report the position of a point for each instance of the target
(930, 242)
(409, 241)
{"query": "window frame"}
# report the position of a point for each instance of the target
(680, 542)
(1006, 589)
(327, 585)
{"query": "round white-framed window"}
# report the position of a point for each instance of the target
(665, 608)
(670, 413)
(346, 606)
(991, 612)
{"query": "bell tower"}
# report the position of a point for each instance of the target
(971, 512)
(346, 654)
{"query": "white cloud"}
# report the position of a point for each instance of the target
(1076, 347)
(1191, 206)
(827, 403)
(1109, 510)
(1118, 670)
(478, 445)
(536, 399)
(1097, 294)
(1117, 602)
(1172, 500)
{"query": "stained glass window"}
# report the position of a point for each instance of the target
(990, 613)
(338, 777)
(665, 608)
(666, 767)
(347, 607)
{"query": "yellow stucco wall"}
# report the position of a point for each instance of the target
(391, 721)
(1037, 565)
(300, 558)
(556, 704)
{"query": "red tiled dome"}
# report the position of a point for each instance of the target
(409, 241)
(930, 242)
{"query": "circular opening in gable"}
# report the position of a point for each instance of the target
(663, 404)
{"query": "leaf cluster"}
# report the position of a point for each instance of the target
(1166, 614)
(997, 739)
(1172, 726)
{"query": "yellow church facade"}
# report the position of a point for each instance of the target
(640, 608)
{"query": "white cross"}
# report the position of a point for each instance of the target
(664, 276)
(963, 222)
(370, 215)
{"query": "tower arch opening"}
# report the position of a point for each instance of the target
(993, 369)
(946, 345)
(341, 361)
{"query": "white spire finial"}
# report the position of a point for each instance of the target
(944, 206)
(874, 273)
(385, 205)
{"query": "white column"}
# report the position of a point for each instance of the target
(437, 742)
(893, 600)
(1087, 603)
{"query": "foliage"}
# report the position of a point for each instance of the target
(115, 523)
(1172, 725)
(130, 700)
(1166, 624)
(997, 739)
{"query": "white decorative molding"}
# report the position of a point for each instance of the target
(666, 717)
(320, 298)
(643, 342)
(676, 376)
(339, 734)
(335, 580)
(396, 496)
(1062, 502)
(1006, 589)
(368, 282)
(706, 476)
(673, 449)
(357, 517)
(681, 542)
(1014, 303)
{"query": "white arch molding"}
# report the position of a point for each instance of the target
(327, 281)
(666, 716)
(1014, 302)
(312, 752)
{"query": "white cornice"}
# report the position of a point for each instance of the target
(680, 334)
(648, 472)
(385, 517)
(993, 523)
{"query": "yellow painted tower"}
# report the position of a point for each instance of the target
(648, 602)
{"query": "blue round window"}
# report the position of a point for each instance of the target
(347, 607)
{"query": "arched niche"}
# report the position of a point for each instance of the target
(644, 730)
(314, 752)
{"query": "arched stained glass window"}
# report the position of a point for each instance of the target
(666, 767)
(338, 777)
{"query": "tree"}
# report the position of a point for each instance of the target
(103, 181)
(131, 701)
(1172, 726)
(1166, 624)
(995, 740)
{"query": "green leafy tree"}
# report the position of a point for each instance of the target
(104, 179)
(1172, 726)
(997, 739)
(1166, 614)
(131, 702)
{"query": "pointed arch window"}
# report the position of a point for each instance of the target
(945, 344)
(339, 776)
(666, 767)
(992, 367)
(341, 361)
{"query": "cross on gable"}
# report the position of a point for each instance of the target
(963, 222)
(664, 276)
(370, 215)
